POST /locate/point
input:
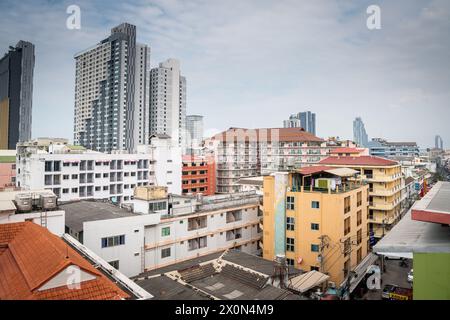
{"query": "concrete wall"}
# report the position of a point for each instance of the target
(55, 220)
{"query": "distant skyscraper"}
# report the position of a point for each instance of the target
(438, 142)
(16, 94)
(305, 120)
(359, 132)
(194, 127)
(111, 93)
(168, 101)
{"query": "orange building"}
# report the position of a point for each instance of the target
(199, 175)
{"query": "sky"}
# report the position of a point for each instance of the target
(252, 63)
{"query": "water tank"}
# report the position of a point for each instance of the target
(23, 201)
(47, 201)
(280, 259)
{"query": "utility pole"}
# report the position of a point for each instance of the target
(323, 244)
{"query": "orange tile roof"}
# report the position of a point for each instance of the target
(345, 150)
(33, 256)
(267, 134)
(358, 161)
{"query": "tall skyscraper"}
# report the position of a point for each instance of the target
(168, 101)
(111, 93)
(359, 132)
(438, 142)
(305, 120)
(16, 94)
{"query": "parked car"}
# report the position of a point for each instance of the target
(394, 292)
(410, 276)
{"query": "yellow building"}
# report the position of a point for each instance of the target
(384, 178)
(317, 218)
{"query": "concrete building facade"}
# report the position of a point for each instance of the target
(111, 93)
(16, 94)
(84, 174)
(385, 149)
(385, 181)
(163, 229)
(244, 153)
(316, 217)
(168, 101)
(7, 168)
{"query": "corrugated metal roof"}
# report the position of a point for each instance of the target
(306, 281)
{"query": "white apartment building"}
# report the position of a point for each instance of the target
(76, 174)
(165, 229)
(168, 101)
(112, 85)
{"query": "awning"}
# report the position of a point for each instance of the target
(342, 172)
(306, 281)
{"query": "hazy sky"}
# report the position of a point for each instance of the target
(253, 63)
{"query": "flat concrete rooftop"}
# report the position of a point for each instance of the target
(435, 205)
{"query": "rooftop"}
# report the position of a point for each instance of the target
(84, 211)
(358, 161)
(32, 261)
(345, 150)
(235, 275)
(435, 205)
(7, 159)
(409, 236)
(268, 135)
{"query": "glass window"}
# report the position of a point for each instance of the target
(290, 203)
(165, 231)
(315, 248)
(314, 226)
(165, 253)
(290, 244)
(315, 205)
(290, 223)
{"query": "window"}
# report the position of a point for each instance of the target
(290, 262)
(113, 241)
(156, 206)
(359, 236)
(359, 256)
(315, 248)
(346, 204)
(347, 226)
(359, 217)
(290, 203)
(290, 244)
(314, 268)
(165, 253)
(114, 264)
(165, 232)
(314, 226)
(290, 222)
(359, 198)
(315, 205)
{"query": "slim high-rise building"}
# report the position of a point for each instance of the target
(111, 93)
(194, 128)
(438, 143)
(168, 101)
(16, 94)
(359, 132)
(305, 120)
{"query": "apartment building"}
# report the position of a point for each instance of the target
(244, 153)
(16, 94)
(74, 173)
(316, 217)
(161, 229)
(199, 175)
(111, 93)
(168, 101)
(385, 181)
(393, 150)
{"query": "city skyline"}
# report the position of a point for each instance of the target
(390, 74)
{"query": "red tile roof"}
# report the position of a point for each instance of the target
(268, 134)
(313, 169)
(358, 161)
(33, 256)
(345, 150)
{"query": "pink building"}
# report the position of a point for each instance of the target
(7, 170)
